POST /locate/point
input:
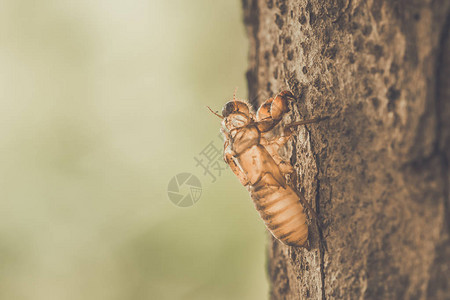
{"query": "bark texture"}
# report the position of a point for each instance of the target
(377, 172)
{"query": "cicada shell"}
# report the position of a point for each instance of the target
(251, 150)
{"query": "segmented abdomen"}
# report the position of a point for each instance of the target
(282, 212)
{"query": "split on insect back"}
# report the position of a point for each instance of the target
(251, 150)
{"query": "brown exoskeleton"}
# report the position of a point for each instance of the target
(252, 153)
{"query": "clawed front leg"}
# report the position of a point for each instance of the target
(304, 122)
(230, 160)
(274, 145)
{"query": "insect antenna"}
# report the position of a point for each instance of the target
(234, 95)
(214, 112)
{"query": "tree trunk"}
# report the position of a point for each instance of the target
(377, 171)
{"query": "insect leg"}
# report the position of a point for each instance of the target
(272, 147)
(304, 122)
(229, 159)
(288, 132)
(305, 202)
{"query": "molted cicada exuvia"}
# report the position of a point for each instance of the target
(251, 150)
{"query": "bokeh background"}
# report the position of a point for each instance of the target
(101, 104)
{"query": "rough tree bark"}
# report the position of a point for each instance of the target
(377, 172)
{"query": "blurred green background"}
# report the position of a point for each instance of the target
(102, 103)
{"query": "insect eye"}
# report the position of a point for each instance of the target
(228, 109)
(235, 107)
